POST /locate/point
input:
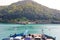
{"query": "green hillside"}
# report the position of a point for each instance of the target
(28, 11)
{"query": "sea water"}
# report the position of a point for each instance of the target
(49, 29)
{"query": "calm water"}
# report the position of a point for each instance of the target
(49, 29)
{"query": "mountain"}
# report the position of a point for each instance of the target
(28, 11)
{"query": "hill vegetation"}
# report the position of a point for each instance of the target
(28, 11)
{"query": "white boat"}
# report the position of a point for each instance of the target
(25, 36)
(30, 37)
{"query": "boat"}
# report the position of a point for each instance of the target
(29, 37)
(26, 36)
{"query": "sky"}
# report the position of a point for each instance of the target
(55, 4)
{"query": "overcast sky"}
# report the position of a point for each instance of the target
(55, 4)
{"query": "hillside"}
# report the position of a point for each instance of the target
(28, 11)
